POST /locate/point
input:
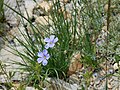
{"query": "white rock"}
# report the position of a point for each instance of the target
(115, 66)
(11, 16)
(109, 86)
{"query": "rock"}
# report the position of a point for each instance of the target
(29, 5)
(106, 7)
(109, 86)
(110, 71)
(95, 75)
(11, 17)
(43, 20)
(75, 64)
(57, 84)
(115, 66)
(45, 6)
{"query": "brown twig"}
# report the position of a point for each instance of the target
(108, 24)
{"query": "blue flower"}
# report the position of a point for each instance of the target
(50, 41)
(43, 57)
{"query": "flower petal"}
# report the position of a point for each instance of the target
(45, 51)
(46, 46)
(46, 40)
(52, 37)
(44, 63)
(40, 54)
(51, 45)
(55, 40)
(39, 60)
(47, 56)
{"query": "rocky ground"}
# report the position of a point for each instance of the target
(77, 70)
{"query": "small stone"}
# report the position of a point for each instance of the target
(110, 71)
(109, 86)
(95, 75)
(106, 7)
(115, 66)
(75, 64)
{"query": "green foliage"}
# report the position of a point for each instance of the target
(76, 34)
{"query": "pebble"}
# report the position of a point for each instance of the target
(115, 66)
(109, 86)
(106, 7)
(95, 75)
(110, 71)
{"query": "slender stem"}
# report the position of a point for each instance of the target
(108, 24)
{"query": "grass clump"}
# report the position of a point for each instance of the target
(48, 49)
